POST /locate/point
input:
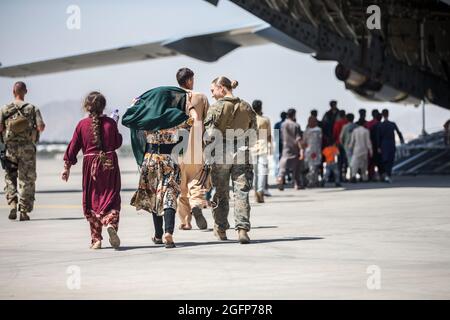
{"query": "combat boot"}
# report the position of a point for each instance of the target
(24, 216)
(200, 220)
(220, 234)
(243, 236)
(13, 213)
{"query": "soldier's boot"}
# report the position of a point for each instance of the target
(259, 196)
(220, 234)
(200, 220)
(24, 216)
(23, 213)
(114, 239)
(243, 236)
(13, 212)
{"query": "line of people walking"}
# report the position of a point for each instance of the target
(336, 149)
(187, 152)
(167, 184)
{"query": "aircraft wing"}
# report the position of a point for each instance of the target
(206, 47)
(92, 59)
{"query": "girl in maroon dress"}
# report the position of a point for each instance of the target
(98, 138)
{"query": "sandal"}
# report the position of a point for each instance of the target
(96, 245)
(157, 241)
(169, 241)
(184, 227)
(280, 184)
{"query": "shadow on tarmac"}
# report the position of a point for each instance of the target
(73, 191)
(232, 228)
(294, 200)
(419, 183)
(438, 181)
(55, 219)
(195, 244)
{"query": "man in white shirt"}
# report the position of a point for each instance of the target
(361, 147)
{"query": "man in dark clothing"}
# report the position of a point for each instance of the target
(386, 143)
(328, 122)
(362, 118)
(278, 140)
(277, 128)
(315, 114)
(374, 161)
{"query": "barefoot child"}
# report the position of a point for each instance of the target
(98, 138)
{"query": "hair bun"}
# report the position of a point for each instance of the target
(234, 84)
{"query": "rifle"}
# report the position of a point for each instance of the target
(6, 164)
(3, 155)
(204, 179)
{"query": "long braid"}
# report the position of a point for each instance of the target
(95, 103)
(96, 130)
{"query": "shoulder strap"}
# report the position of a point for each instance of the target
(237, 105)
(19, 109)
(16, 109)
(22, 106)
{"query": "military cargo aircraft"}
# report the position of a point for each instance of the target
(404, 57)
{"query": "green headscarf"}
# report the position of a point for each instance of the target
(156, 109)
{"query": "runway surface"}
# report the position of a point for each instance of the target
(363, 241)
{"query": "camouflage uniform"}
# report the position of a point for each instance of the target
(20, 173)
(231, 113)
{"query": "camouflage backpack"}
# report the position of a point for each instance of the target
(19, 123)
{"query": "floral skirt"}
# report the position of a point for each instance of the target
(159, 184)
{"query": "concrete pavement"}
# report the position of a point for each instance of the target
(365, 241)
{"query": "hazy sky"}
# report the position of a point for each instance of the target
(35, 30)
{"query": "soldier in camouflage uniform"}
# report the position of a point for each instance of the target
(230, 112)
(20, 124)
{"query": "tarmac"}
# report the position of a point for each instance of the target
(362, 241)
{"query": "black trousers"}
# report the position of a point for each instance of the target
(387, 167)
(342, 163)
(169, 223)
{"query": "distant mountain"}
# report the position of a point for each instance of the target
(61, 118)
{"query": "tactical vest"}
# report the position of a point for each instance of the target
(235, 114)
(20, 123)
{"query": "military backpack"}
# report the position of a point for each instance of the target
(19, 123)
